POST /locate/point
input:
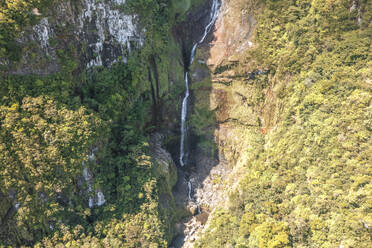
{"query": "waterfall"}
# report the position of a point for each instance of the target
(190, 190)
(207, 29)
(98, 198)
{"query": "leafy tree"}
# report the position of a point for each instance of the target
(14, 16)
(308, 183)
(41, 143)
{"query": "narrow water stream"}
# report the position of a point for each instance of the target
(184, 153)
(207, 29)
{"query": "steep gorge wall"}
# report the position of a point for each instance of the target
(255, 88)
(225, 120)
(83, 48)
(262, 129)
(71, 40)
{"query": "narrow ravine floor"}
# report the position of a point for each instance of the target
(207, 179)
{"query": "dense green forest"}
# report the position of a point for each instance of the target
(301, 178)
(50, 124)
(48, 127)
(305, 179)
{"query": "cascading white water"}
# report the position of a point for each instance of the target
(183, 119)
(98, 199)
(213, 17)
(190, 190)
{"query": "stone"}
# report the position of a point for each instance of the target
(309, 82)
(179, 228)
(101, 33)
(165, 166)
(36, 12)
(192, 208)
(202, 217)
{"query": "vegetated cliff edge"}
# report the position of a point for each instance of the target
(290, 106)
(95, 33)
(83, 84)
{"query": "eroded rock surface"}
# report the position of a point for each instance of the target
(96, 33)
(229, 108)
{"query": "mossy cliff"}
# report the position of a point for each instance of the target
(87, 89)
(286, 89)
(280, 123)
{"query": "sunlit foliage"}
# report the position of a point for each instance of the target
(309, 184)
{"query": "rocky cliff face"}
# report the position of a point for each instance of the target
(238, 106)
(95, 33)
(74, 37)
(221, 118)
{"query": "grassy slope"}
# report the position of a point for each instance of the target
(308, 184)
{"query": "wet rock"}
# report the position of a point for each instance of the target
(202, 217)
(165, 166)
(200, 72)
(43, 33)
(36, 12)
(100, 198)
(192, 208)
(232, 36)
(192, 29)
(96, 198)
(179, 228)
(165, 171)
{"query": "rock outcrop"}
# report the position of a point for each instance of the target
(95, 33)
(220, 138)
(165, 171)
(165, 167)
